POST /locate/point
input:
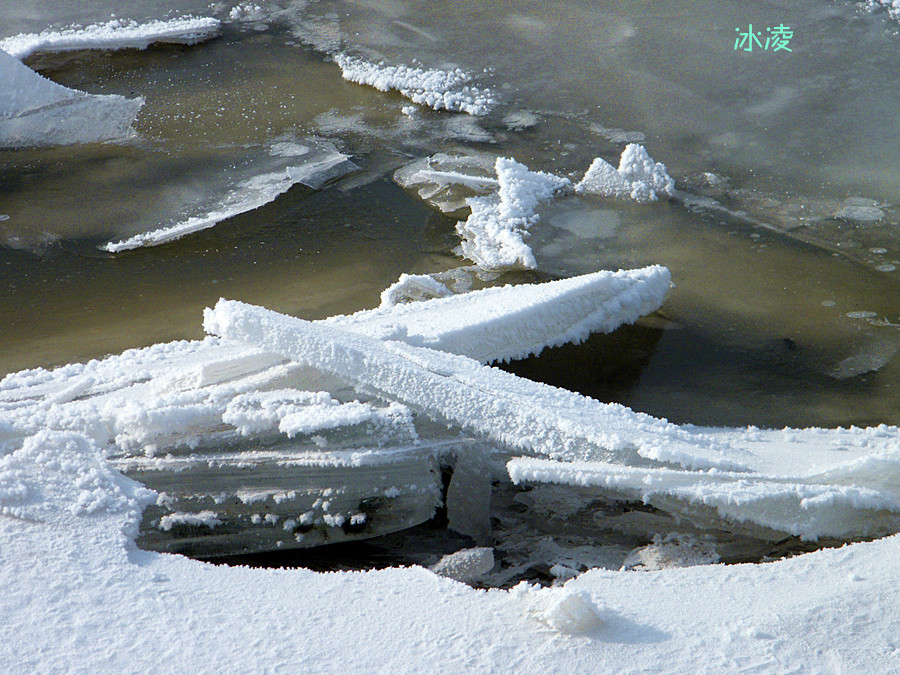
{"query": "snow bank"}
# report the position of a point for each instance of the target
(638, 177)
(35, 111)
(438, 89)
(116, 34)
(494, 234)
(316, 168)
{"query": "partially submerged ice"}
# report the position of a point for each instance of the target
(275, 452)
(37, 112)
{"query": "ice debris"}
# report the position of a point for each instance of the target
(638, 177)
(203, 519)
(494, 233)
(115, 34)
(438, 89)
(466, 565)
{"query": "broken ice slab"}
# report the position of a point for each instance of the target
(37, 112)
(286, 495)
(767, 507)
(446, 181)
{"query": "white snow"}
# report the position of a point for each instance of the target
(638, 177)
(438, 89)
(36, 112)
(494, 233)
(115, 34)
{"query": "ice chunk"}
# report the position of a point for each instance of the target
(446, 181)
(494, 234)
(466, 565)
(35, 111)
(438, 89)
(411, 288)
(638, 177)
(116, 34)
(807, 506)
(566, 611)
(673, 550)
(203, 519)
(516, 321)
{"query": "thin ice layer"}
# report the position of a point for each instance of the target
(36, 112)
(438, 89)
(320, 163)
(116, 34)
(805, 506)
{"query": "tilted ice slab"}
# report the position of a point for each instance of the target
(35, 111)
(438, 89)
(849, 484)
(116, 34)
(312, 164)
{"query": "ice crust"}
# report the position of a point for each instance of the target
(37, 112)
(438, 89)
(116, 34)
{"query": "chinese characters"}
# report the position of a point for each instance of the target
(778, 38)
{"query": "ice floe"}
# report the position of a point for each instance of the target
(312, 164)
(37, 112)
(116, 34)
(438, 89)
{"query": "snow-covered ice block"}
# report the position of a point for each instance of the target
(36, 112)
(512, 322)
(508, 409)
(116, 34)
(764, 506)
(494, 233)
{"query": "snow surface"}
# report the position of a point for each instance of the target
(35, 111)
(438, 89)
(115, 34)
(73, 581)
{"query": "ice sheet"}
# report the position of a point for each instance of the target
(320, 163)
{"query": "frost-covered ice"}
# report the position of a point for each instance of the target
(95, 601)
(36, 112)
(438, 89)
(494, 233)
(638, 177)
(116, 34)
(320, 163)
